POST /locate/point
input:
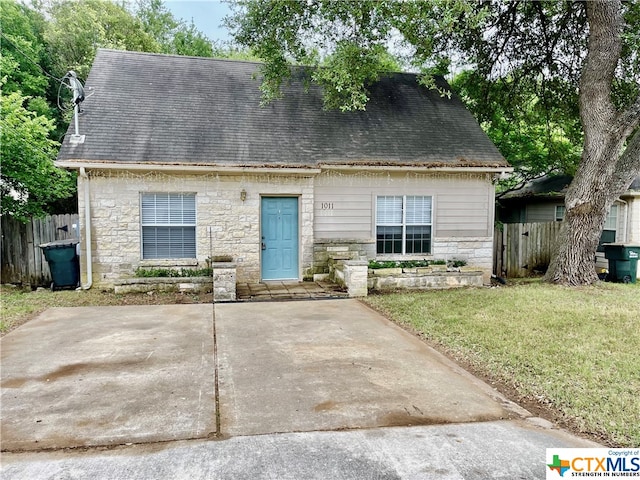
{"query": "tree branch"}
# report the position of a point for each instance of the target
(628, 165)
(628, 120)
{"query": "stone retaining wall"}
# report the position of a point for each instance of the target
(358, 279)
(327, 252)
(387, 279)
(223, 284)
(351, 274)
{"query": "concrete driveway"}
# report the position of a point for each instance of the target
(107, 376)
(116, 375)
(305, 388)
(336, 364)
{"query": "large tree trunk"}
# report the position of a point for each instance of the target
(607, 167)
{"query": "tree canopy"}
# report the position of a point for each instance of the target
(29, 181)
(173, 36)
(40, 44)
(531, 63)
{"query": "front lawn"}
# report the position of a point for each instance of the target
(573, 352)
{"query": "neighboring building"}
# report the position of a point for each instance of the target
(181, 163)
(542, 200)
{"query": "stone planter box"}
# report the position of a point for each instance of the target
(438, 268)
(164, 284)
(224, 282)
(421, 280)
(385, 272)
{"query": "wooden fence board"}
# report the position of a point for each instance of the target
(523, 249)
(22, 260)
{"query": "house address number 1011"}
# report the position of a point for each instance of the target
(326, 205)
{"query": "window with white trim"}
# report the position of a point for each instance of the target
(560, 212)
(608, 234)
(168, 225)
(403, 224)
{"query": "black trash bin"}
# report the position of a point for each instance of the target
(63, 263)
(623, 262)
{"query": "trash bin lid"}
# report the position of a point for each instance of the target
(60, 243)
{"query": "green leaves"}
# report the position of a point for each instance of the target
(64, 35)
(346, 39)
(22, 45)
(537, 130)
(29, 180)
(78, 28)
(172, 36)
(346, 74)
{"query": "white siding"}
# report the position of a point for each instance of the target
(344, 205)
(340, 214)
(633, 219)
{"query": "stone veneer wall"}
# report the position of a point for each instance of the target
(390, 280)
(226, 225)
(477, 252)
(325, 252)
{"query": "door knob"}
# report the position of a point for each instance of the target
(264, 246)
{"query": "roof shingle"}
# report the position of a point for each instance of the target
(152, 108)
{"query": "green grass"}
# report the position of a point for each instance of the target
(19, 305)
(573, 351)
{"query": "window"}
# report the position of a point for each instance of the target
(610, 226)
(560, 211)
(168, 225)
(403, 225)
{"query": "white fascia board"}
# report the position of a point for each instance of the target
(183, 168)
(425, 169)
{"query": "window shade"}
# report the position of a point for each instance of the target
(418, 211)
(168, 225)
(168, 209)
(389, 210)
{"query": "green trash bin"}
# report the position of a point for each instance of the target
(623, 262)
(63, 263)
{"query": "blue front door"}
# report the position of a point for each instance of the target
(279, 236)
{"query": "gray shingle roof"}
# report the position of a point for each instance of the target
(171, 109)
(551, 186)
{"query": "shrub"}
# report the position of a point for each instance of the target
(374, 264)
(169, 272)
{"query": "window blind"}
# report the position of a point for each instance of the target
(389, 210)
(168, 225)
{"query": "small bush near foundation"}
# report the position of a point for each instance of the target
(457, 263)
(169, 272)
(414, 263)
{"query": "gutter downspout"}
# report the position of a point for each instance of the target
(87, 230)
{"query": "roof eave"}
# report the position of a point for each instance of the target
(498, 169)
(183, 167)
(290, 169)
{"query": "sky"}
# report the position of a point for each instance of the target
(207, 15)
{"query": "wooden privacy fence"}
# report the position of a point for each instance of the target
(22, 259)
(523, 249)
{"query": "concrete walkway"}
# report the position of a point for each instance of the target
(278, 290)
(322, 389)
